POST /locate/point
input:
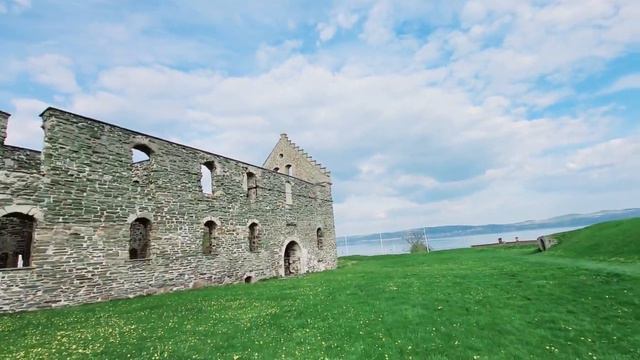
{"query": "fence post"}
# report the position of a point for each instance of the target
(426, 240)
(346, 244)
(380, 237)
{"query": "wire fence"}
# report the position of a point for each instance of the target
(392, 245)
(380, 244)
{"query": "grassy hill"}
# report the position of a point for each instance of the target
(611, 241)
(496, 303)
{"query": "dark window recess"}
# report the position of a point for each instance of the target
(254, 237)
(209, 237)
(16, 238)
(320, 238)
(139, 240)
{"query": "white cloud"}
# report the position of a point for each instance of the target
(408, 140)
(53, 70)
(21, 4)
(417, 128)
(605, 155)
(339, 20)
(376, 165)
(426, 131)
(378, 26)
(15, 6)
(326, 31)
(473, 12)
(381, 212)
(25, 127)
(346, 20)
(433, 51)
(627, 82)
(505, 47)
(267, 55)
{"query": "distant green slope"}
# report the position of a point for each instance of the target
(610, 241)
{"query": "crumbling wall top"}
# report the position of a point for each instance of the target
(4, 118)
(51, 112)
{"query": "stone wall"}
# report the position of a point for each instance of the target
(286, 153)
(4, 117)
(87, 193)
(17, 159)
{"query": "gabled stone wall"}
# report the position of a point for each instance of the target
(287, 153)
(86, 193)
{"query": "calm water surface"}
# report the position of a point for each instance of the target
(399, 246)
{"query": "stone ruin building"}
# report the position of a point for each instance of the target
(104, 212)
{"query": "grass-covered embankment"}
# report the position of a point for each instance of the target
(616, 241)
(464, 304)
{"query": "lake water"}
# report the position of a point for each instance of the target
(399, 246)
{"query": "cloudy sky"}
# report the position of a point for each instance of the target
(427, 113)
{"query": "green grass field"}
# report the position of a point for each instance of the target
(580, 300)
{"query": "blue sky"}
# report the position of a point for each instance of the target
(427, 113)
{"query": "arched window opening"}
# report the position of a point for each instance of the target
(276, 169)
(287, 193)
(320, 238)
(139, 239)
(16, 239)
(252, 186)
(140, 153)
(289, 170)
(209, 237)
(254, 237)
(206, 180)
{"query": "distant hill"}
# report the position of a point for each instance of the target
(570, 220)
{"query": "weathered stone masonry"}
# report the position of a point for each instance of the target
(90, 225)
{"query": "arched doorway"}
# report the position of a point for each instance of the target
(292, 259)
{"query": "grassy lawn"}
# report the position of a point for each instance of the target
(465, 304)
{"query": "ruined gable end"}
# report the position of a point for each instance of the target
(4, 118)
(290, 159)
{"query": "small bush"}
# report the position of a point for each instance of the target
(418, 248)
(417, 241)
